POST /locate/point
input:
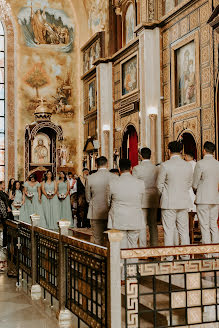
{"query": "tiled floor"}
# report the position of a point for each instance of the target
(18, 311)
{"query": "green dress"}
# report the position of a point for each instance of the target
(51, 207)
(18, 198)
(32, 206)
(65, 204)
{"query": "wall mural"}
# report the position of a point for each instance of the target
(129, 23)
(46, 27)
(97, 14)
(185, 57)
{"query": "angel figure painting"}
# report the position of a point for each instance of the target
(186, 93)
(46, 27)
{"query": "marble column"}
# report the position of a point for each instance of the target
(105, 110)
(153, 141)
(149, 78)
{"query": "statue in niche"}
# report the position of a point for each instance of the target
(116, 159)
(41, 153)
(64, 155)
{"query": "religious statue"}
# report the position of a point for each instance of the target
(116, 159)
(40, 153)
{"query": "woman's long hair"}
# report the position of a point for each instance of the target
(14, 187)
(65, 176)
(32, 176)
(10, 185)
(52, 177)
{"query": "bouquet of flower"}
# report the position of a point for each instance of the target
(17, 204)
(50, 193)
(62, 196)
(30, 195)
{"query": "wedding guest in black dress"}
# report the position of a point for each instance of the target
(5, 211)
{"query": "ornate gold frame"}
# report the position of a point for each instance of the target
(193, 37)
(121, 81)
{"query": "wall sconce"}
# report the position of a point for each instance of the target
(106, 127)
(152, 111)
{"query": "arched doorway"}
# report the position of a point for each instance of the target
(130, 145)
(189, 144)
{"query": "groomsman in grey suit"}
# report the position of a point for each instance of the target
(96, 196)
(125, 196)
(205, 186)
(148, 172)
(174, 182)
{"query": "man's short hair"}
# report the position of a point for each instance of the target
(101, 161)
(209, 147)
(1, 182)
(146, 153)
(190, 153)
(114, 171)
(175, 147)
(125, 165)
(85, 169)
(69, 173)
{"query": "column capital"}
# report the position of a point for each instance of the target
(153, 117)
(64, 226)
(115, 235)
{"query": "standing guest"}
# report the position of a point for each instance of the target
(32, 201)
(147, 172)
(82, 208)
(5, 211)
(115, 171)
(50, 202)
(205, 186)
(125, 195)
(73, 193)
(174, 183)
(10, 184)
(92, 172)
(96, 196)
(16, 196)
(64, 197)
(189, 157)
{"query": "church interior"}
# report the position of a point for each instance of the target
(80, 79)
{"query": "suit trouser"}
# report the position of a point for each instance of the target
(130, 240)
(98, 227)
(172, 220)
(207, 216)
(150, 218)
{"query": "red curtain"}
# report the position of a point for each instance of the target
(133, 148)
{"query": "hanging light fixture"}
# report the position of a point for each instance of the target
(5, 10)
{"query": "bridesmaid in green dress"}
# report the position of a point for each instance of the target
(50, 202)
(16, 196)
(64, 197)
(32, 204)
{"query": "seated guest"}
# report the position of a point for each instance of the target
(189, 157)
(174, 183)
(115, 171)
(147, 172)
(96, 196)
(205, 185)
(125, 196)
(5, 211)
(64, 197)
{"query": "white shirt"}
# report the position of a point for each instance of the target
(73, 187)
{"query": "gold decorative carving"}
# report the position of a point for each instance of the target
(175, 32)
(150, 10)
(194, 20)
(207, 117)
(166, 56)
(184, 26)
(165, 39)
(205, 75)
(205, 55)
(206, 135)
(166, 74)
(204, 33)
(132, 303)
(166, 109)
(204, 13)
(206, 96)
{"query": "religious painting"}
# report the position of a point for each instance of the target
(129, 75)
(92, 95)
(185, 61)
(46, 27)
(41, 149)
(97, 14)
(185, 80)
(129, 23)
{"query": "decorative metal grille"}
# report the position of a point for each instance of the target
(25, 257)
(47, 263)
(12, 248)
(172, 294)
(87, 286)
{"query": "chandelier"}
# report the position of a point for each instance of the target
(5, 10)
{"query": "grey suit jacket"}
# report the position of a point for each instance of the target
(147, 172)
(206, 180)
(125, 198)
(174, 182)
(96, 194)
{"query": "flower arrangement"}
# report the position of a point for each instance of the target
(62, 196)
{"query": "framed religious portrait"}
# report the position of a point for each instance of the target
(92, 95)
(129, 75)
(40, 153)
(185, 80)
